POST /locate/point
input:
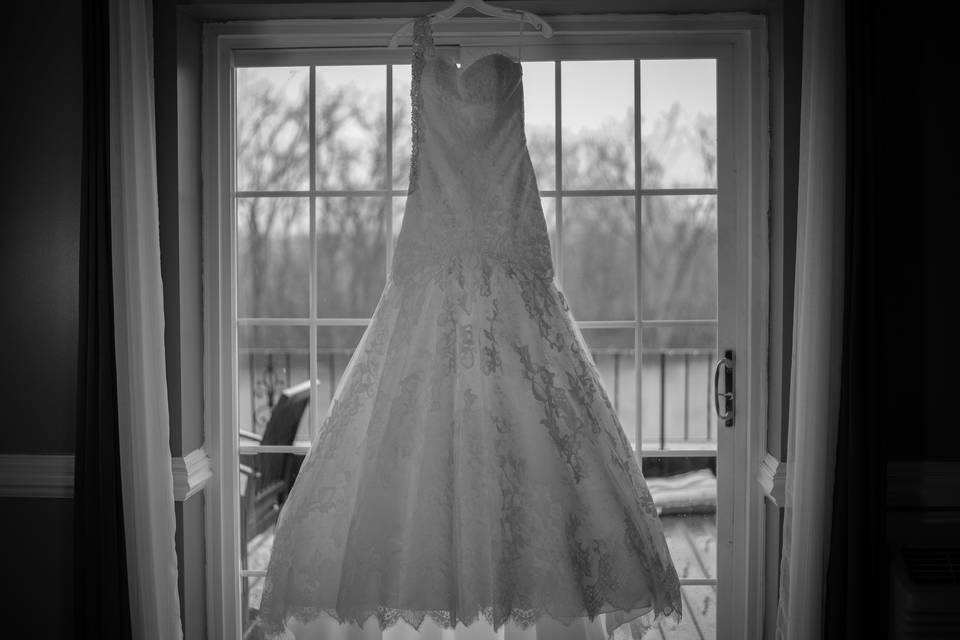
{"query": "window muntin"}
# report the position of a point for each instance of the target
(304, 204)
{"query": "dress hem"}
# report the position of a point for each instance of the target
(638, 618)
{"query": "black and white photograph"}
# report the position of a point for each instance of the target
(470, 320)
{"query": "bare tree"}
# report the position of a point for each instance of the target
(678, 251)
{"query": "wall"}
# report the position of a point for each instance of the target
(40, 147)
(916, 222)
(916, 252)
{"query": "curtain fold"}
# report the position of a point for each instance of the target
(818, 328)
(138, 313)
(101, 601)
(856, 578)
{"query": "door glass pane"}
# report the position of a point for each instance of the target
(679, 257)
(698, 624)
(351, 255)
(678, 387)
(335, 347)
(678, 112)
(701, 601)
(265, 480)
(399, 206)
(613, 350)
(678, 414)
(549, 206)
(401, 126)
(599, 268)
(273, 151)
(351, 127)
(539, 109)
(272, 369)
(597, 124)
(687, 500)
(685, 492)
(273, 257)
(251, 592)
(596, 236)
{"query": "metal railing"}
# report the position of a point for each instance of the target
(680, 376)
(656, 364)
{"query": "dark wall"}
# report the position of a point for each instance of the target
(918, 196)
(37, 591)
(40, 209)
(40, 146)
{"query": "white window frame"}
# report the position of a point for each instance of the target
(737, 41)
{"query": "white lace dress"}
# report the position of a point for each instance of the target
(471, 479)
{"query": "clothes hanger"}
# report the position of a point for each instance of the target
(482, 7)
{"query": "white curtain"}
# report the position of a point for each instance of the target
(146, 471)
(817, 334)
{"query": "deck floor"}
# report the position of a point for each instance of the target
(692, 540)
(693, 544)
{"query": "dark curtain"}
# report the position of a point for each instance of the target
(101, 599)
(856, 588)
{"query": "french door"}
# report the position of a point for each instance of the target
(646, 147)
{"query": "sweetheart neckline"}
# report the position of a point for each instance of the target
(460, 70)
(428, 33)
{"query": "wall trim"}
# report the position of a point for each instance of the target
(190, 474)
(923, 484)
(772, 476)
(36, 476)
(46, 475)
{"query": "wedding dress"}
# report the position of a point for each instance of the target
(471, 478)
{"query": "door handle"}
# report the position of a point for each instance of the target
(727, 397)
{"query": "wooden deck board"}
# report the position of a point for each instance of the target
(693, 549)
(686, 630)
(703, 607)
(692, 543)
(701, 534)
(684, 555)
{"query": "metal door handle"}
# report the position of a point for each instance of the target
(725, 415)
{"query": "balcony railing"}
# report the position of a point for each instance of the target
(676, 413)
(676, 385)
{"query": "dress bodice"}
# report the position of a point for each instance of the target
(473, 191)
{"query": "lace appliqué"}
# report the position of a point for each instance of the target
(496, 617)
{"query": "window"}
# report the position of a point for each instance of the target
(636, 143)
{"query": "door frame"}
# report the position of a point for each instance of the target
(738, 39)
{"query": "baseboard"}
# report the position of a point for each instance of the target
(36, 476)
(51, 475)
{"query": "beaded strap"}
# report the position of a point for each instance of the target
(422, 47)
(422, 35)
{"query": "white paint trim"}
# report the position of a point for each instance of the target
(222, 509)
(36, 476)
(923, 484)
(744, 566)
(773, 478)
(190, 474)
(51, 475)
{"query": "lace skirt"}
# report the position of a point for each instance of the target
(471, 469)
